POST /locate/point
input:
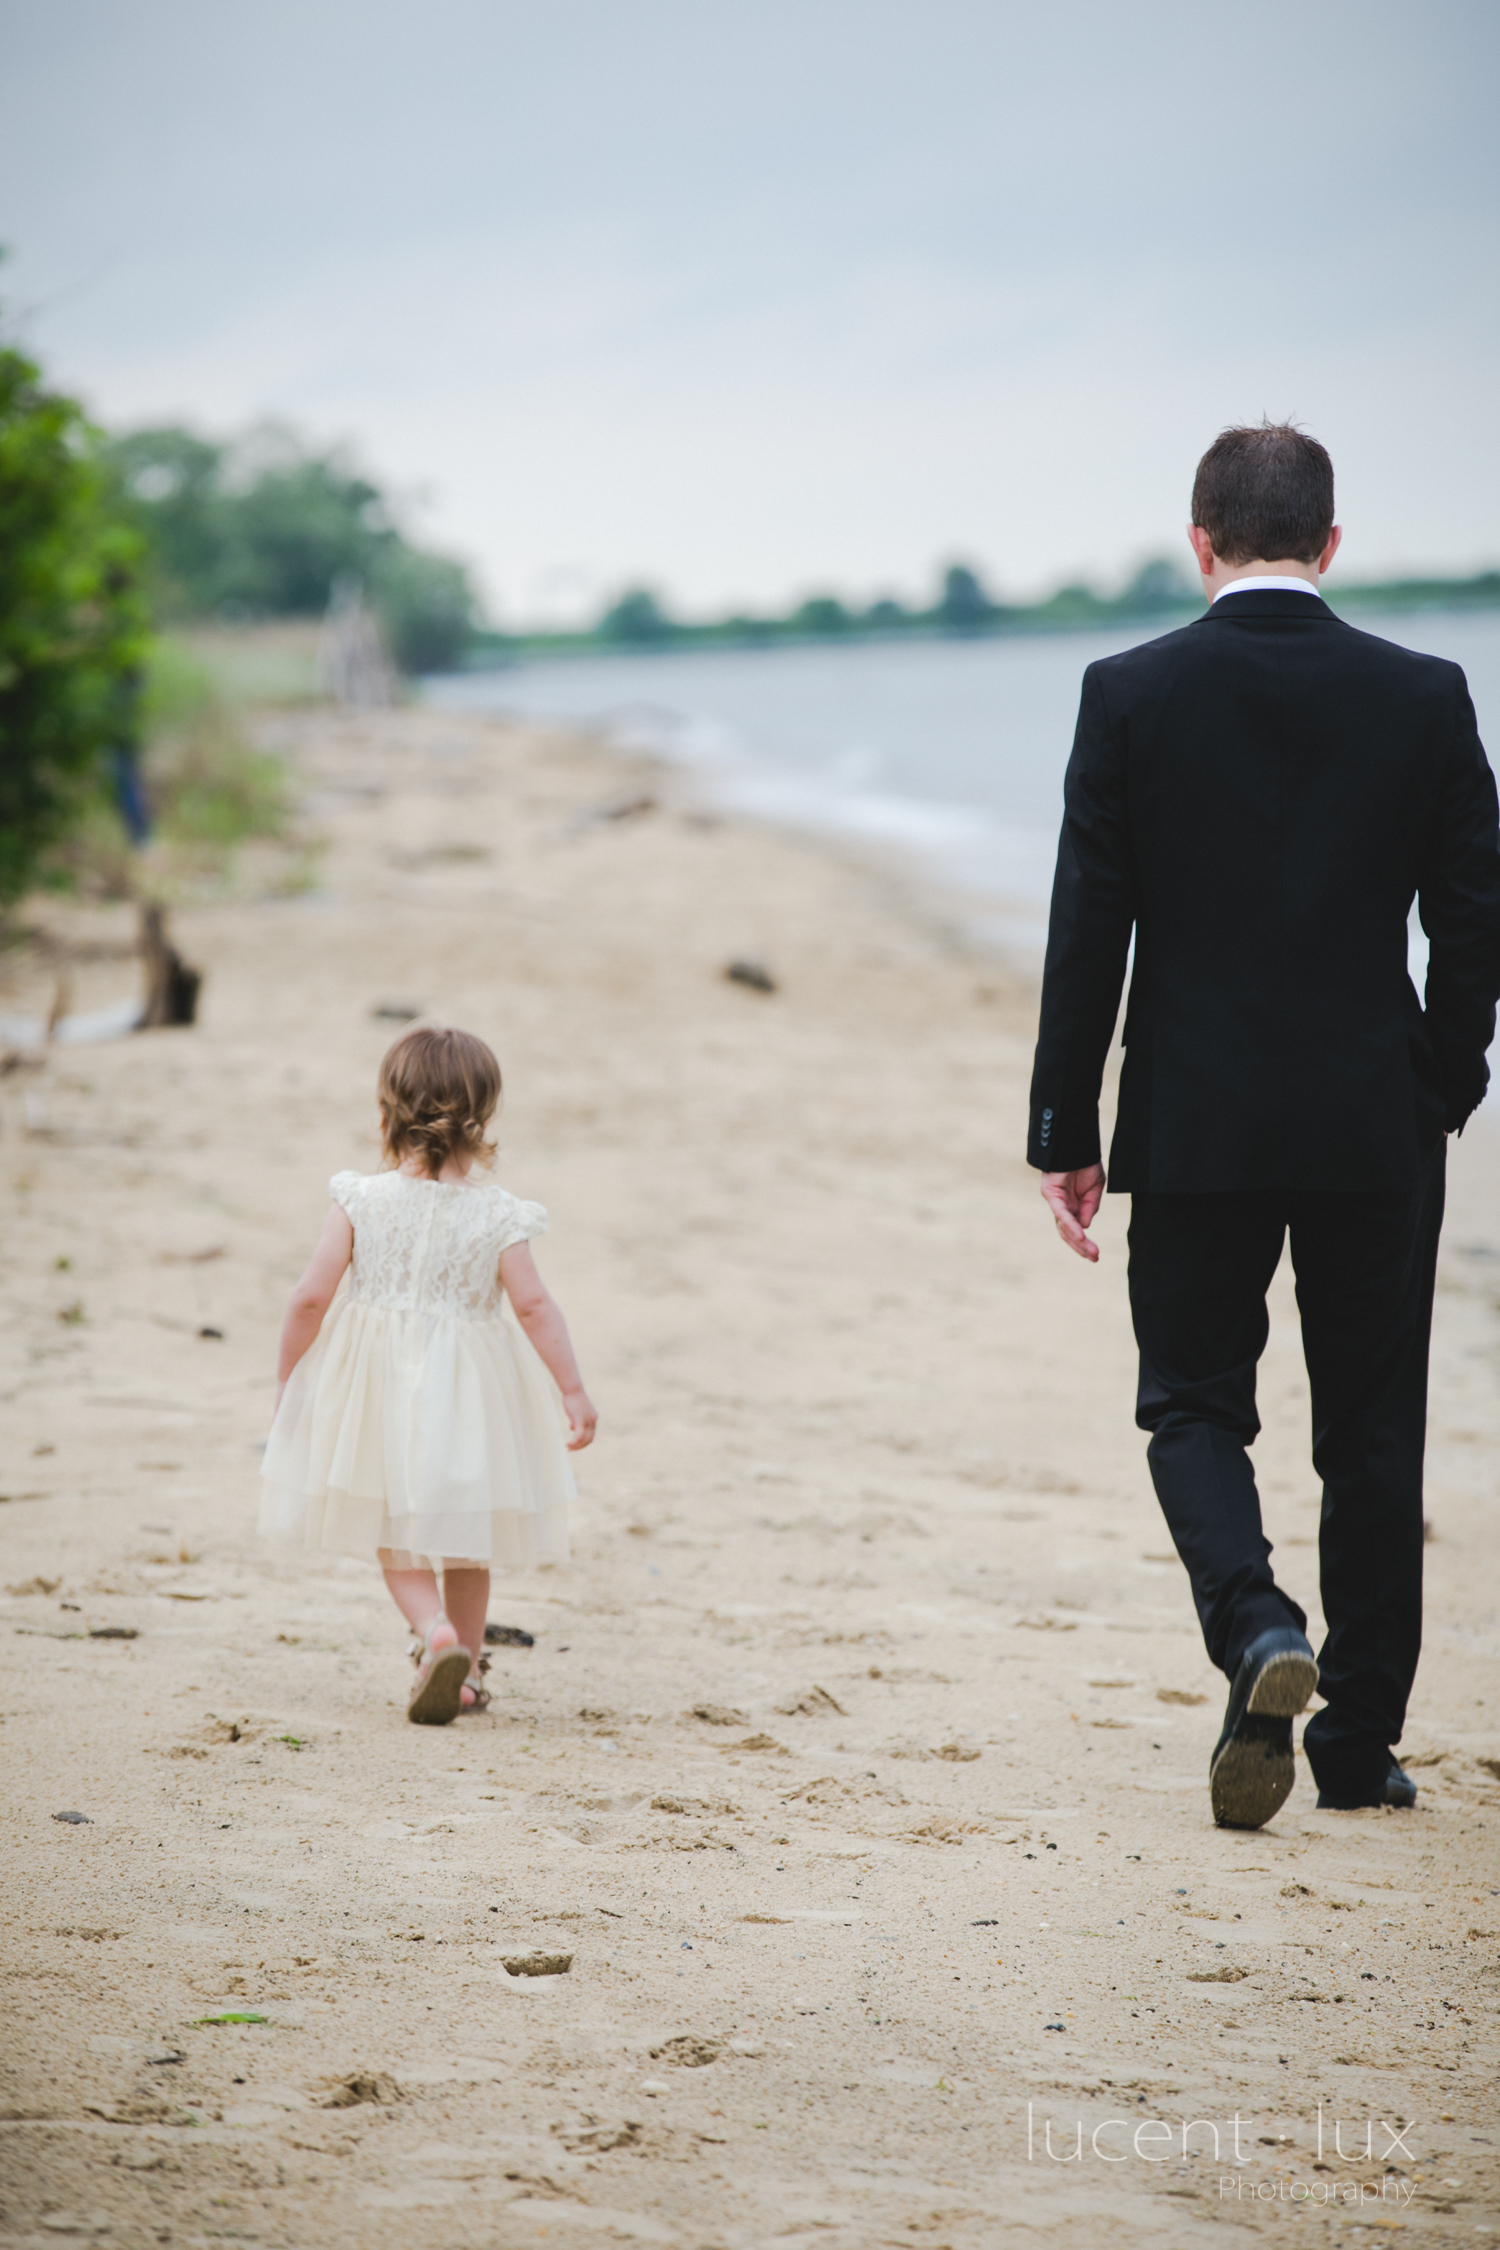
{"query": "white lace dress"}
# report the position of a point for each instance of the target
(421, 1425)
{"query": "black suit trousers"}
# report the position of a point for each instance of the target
(1200, 1266)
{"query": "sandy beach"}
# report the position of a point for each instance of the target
(858, 1767)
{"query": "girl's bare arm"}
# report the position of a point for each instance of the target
(314, 1293)
(541, 1317)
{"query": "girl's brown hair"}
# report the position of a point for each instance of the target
(438, 1090)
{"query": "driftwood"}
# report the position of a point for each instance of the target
(356, 667)
(172, 986)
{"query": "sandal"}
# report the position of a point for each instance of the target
(475, 1695)
(442, 1669)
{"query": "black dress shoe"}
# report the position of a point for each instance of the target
(1252, 1770)
(1398, 1788)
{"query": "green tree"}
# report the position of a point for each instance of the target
(427, 606)
(72, 620)
(636, 617)
(963, 603)
(1157, 585)
(822, 614)
(264, 526)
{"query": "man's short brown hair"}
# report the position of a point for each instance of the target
(1265, 495)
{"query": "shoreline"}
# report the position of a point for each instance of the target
(860, 1760)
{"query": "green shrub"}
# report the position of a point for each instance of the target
(207, 786)
(72, 622)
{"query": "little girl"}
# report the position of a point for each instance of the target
(419, 1426)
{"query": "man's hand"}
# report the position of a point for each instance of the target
(1073, 1198)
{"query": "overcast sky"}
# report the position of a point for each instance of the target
(747, 301)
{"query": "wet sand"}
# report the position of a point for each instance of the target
(859, 1762)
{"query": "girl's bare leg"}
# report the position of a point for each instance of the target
(415, 1594)
(466, 1590)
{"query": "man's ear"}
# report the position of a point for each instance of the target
(1335, 540)
(1203, 548)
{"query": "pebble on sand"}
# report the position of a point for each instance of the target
(537, 1963)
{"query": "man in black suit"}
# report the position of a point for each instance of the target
(1259, 797)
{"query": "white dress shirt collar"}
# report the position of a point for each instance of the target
(1269, 586)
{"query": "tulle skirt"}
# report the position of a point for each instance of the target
(419, 1437)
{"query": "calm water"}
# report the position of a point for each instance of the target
(953, 749)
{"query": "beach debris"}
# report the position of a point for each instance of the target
(412, 859)
(1217, 1976)
(218, 1731)
(753, 975)
(814, 1703)
(31, 1036)
(114, 1633)
(73, 1315)
(597, 2140)
(214, 1335)
(35, 1586)
(964, 1753)
(74, 1819)
(1054, 2027)
(353, 661)
(142, 2108)
(1178, 1695)
(633, 806)
(172, 984)
(655, 2086)
(1490, 1765)
(943, 1829)
(396, 1011)
(508, 1636)
(719, 1715)
(167, 2055)
(193, 1257)
(357, 2087)
(688, 2052)
(760, 1742)
(537, 1963)
(229, 2016)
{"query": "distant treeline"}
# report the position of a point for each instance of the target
(265, 526)
(963, 608)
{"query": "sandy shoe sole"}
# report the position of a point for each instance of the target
(1253, 1774)
(1283, 1687)
(439, 1697)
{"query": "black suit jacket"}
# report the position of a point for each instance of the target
(1260, 796)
